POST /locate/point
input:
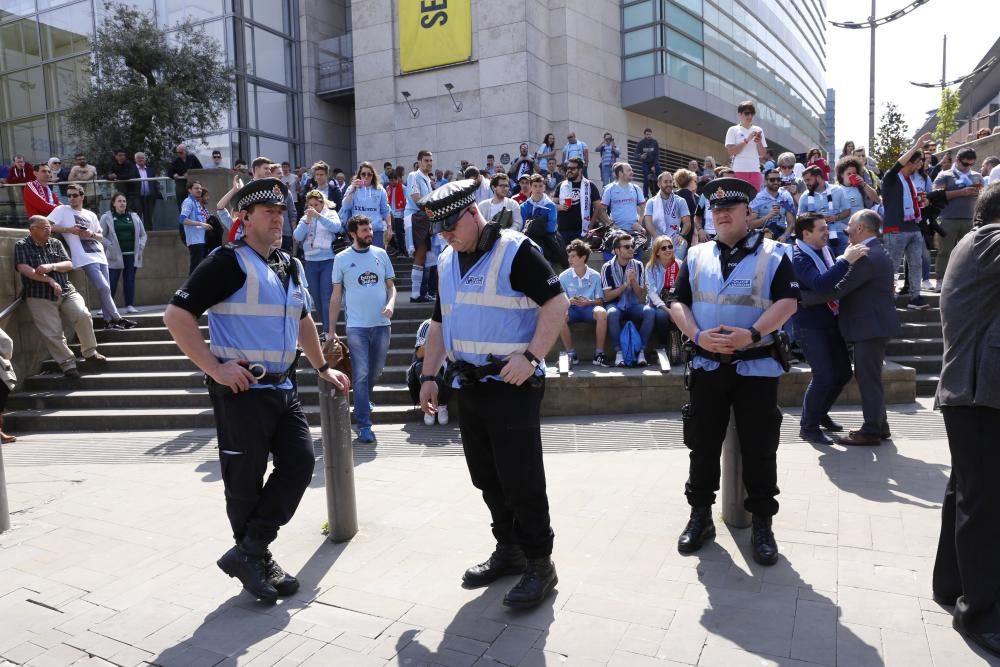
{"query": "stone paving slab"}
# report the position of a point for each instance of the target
(112, 560)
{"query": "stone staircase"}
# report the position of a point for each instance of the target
(148, 384)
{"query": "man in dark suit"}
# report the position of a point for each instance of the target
(816, 327)
(149, 189)
(867, 319)
(965, 570)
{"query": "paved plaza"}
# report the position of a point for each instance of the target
(112, 558)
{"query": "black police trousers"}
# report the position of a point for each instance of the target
(754, 401)
(967, 565)
(502, 440)
(251, 426)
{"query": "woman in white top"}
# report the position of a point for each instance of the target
(316, 232)
(746, 145)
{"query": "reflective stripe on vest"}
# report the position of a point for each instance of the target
(259, 323)
(481, 313)
(737, 301)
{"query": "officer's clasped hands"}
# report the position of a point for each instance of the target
(725, 339)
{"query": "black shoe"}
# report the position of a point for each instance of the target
(988, 641)
(507, 559)
(535, 585)
(422, 299)
(115, 325)
(72, 373)
(249, 569)
(886, 433)
(765, 549)
(829, 425)
(283, 582)
(816, 437)
(699, 528)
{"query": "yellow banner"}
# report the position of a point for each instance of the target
(434, 33)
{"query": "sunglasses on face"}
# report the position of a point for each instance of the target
(437, 227)
(966, 164)
(774, 180)
(666, 247)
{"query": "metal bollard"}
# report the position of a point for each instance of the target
(4, 507)
(733, 491)
(338, 457)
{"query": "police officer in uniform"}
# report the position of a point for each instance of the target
(258, 312)
(499, 310)
(733, 294)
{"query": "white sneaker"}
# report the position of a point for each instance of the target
(442, 414)
(428, 419)
(131, 309)
(641, 360)
(619, 359)
(926, 285)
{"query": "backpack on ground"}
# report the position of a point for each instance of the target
(630, 344)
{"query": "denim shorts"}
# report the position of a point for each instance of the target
(580, 314)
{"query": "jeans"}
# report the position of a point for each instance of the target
(98, 276)
(662, 325)
(398, 236)
(606, 174)
(368, 346)
(908, 245)
(378, 238)
(827, 355)
(196, 253)
(318, 275)
(129, 271)
(642, 316)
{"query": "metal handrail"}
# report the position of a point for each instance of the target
(11, 308)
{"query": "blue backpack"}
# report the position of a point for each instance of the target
(630, 344)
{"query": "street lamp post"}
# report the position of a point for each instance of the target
(871, 24)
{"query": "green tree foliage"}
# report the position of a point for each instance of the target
(892, 138)
(947, 123)
(149, 91)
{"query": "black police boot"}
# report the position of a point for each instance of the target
(765, 549)
(283, 582)
(249, 569)
(507, 559)
(536, 583)
(699, 528)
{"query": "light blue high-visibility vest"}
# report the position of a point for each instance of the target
(481, 314)
(259, 323)
(737, 301)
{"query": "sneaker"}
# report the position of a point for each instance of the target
(128, 324)
(926, 285)
(442, 414)
(422, 299)
(366, 435)
(428, 420)
(96, 357)
(619, 359)
(72, 373)
(918, 304)
(641, 361)
(601, 360)
(573, 361)
(131, 309)
(115, 325)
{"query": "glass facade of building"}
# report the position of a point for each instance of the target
(45, 54)
(735, 50)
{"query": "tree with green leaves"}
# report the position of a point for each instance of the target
(149, 91)
(947, 123)
(892, 138)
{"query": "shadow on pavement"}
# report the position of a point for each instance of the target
(241, 622)
(885, 475)
(482, 620)
(773, 613)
